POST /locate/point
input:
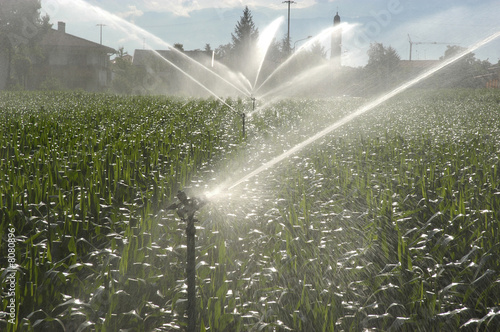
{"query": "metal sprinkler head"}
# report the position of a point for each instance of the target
(187, 207)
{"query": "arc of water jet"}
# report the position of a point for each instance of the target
(301, 48)
(246, 93)
(126, 26)
(318, 71)
(196, 81)
(357, 113)
(265, 41)
(244, 80)
(321, 35)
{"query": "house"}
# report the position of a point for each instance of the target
(493, 77)
(76, 63)
(144, 57)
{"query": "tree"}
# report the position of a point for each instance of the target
(466, 72)
(452, 50)
(245, 32)
(317, 51)
(128, 79)
(243, 44)
(382, 58)
(223, 53)
(382, 67)
(21, 26)
(121, 53)
(208, 49)
(179, 47)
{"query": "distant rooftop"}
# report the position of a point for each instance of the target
(141, 57)
(59, 37)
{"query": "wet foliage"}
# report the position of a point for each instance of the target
(81, 176)
(389, 223)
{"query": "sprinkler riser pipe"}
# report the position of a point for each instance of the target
(243, 123)
(191, 274)
(186, 209)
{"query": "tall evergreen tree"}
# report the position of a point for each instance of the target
(244, 41)
(245, 32)
(318, 51)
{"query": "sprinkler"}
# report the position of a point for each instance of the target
(186, 208)
(243, 115)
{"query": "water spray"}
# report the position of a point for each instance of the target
(186, 208)
(284, 65)
(231, 185)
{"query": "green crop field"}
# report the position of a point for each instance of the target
(390, 222)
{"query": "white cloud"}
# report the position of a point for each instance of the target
(131, 13)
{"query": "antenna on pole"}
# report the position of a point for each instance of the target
(421, 43)
(288, 33)
(100, 25)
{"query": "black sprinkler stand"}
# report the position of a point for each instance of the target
(186, 208)
(243, 115)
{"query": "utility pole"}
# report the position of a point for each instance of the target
(100, 25)
(288, 34)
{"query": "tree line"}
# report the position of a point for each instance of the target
(385, 70)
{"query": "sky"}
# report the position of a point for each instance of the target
(157, 24)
